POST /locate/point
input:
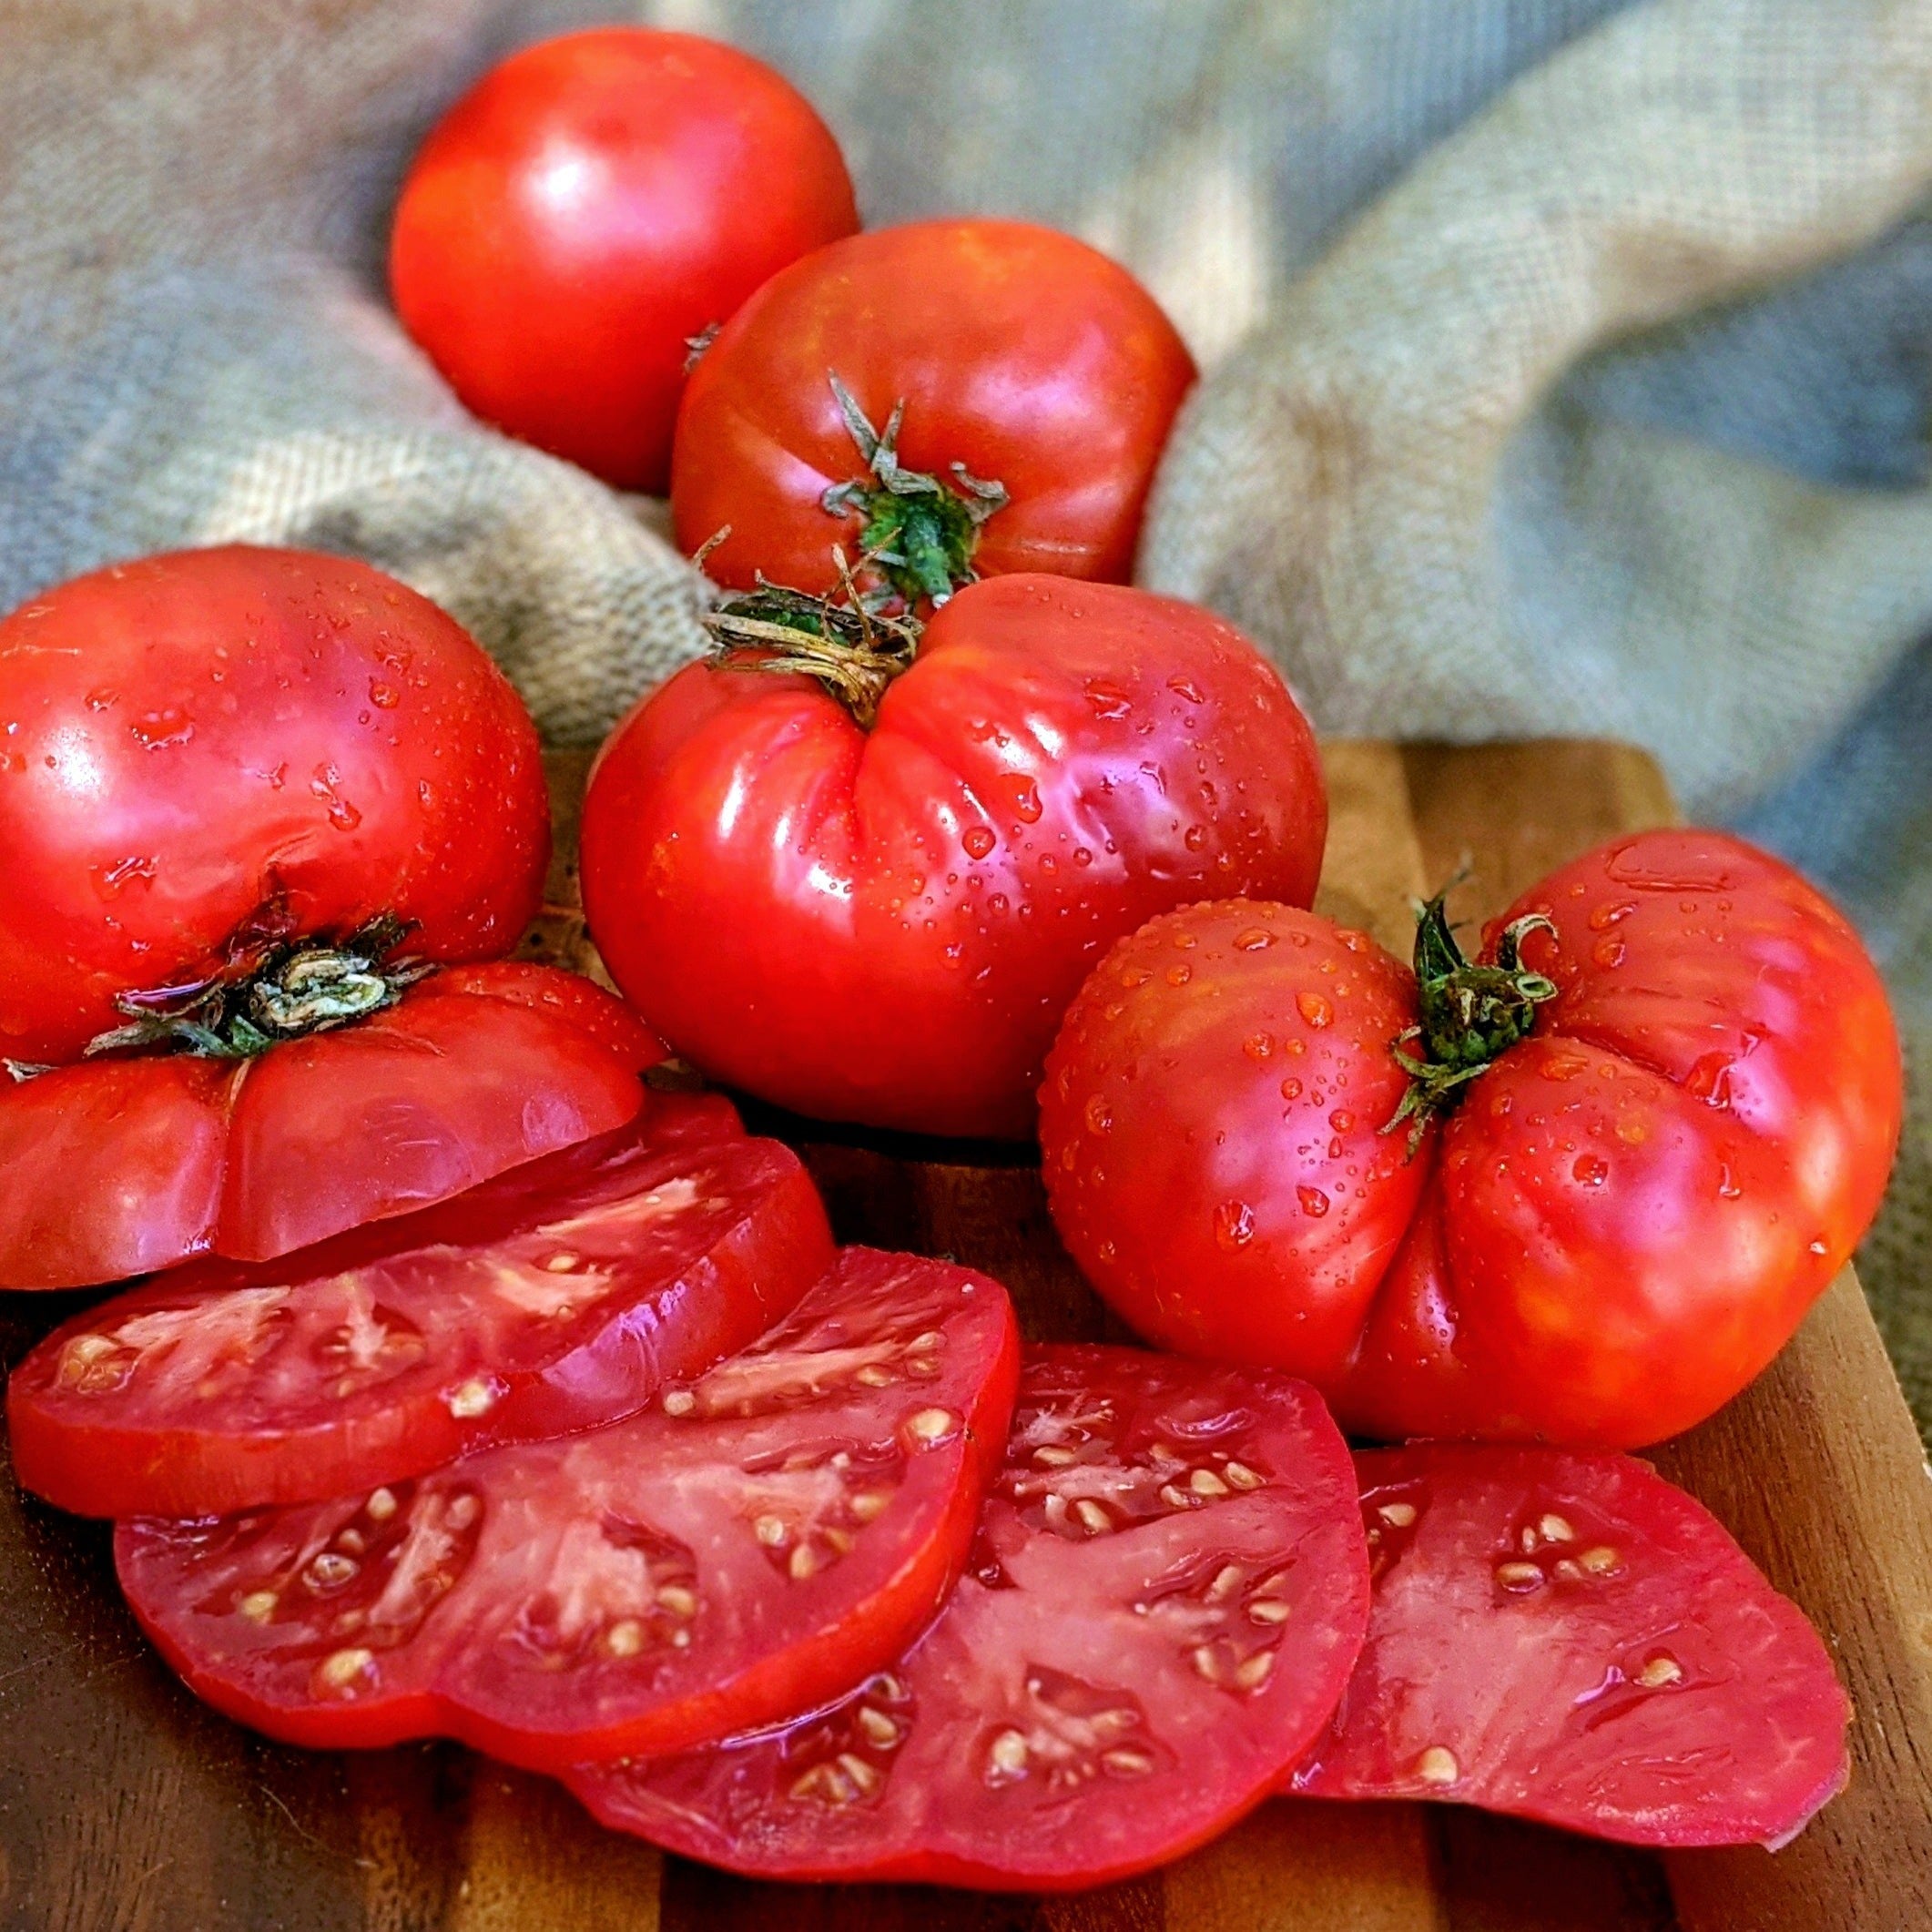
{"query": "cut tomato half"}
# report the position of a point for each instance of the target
(761, 1536)
(1573, 1639)
(1167, 1592)
(555, 1297)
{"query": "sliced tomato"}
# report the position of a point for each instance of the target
(1167, 1592)
(118, 1167)
(553, 1298)
(746, 1548)
(1573, 1639)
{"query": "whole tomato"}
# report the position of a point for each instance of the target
(249, 799)
(207, 749)
(954, 398)
(1582, 1190)
(877, 908)
(587, 207)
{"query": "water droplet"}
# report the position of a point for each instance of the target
(1591, 1169)
(166, 726)
(979, 840)
(1314, 1202)
(385, 697)
(1100, 1115)
(1025, 797)
(1184, 686)
(1180, 975)
(1253, 939)
(1107, 700)
(101, 696)
(1082, 856)
(1609, 913)
(1313, 1009)
(1727, 1187)
(1258, 1046)
(1291, 1088)
(1194, 837)
(1607, 952)
(111, 881)
(1341, 1120)
(1133, 976)
(1235, 1223)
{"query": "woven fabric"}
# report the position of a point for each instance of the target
(1567, 360)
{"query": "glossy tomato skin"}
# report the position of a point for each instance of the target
(1572, 1639)
(1211, 1114)
(1626, 1215)
(590, 204)
(116, 1166)
(1027, 356)
(553, 1298)
(198, 740)
(639, 1587)
(885, 927)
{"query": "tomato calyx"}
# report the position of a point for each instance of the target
(850, 644)
(272, 991)
(1471, 1012)
(920, 535)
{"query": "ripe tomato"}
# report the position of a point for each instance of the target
(116, 1166)
(1677, 1113)
(221, 745)
(589, 206)
(549, 1299)
(1572, 1639)
(1021, 358)
(1166, 1595)
(884, 924)
(767, 1532)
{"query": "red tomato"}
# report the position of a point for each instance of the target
(1164, 1604)
(1572, 1639)
(885, 925)
(587, 207)
(117, 1166)
(771, 1531)
(1676, 1117)
(202, 749)
(1022, 354)
(549, 1299)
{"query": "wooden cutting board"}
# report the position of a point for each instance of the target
(125, 1805)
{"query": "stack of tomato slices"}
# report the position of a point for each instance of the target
(794, 1562)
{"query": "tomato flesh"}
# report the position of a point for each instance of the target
(591, 205)
(212, 737)
(1625, 1216)
(554, 1298)
(1021, 353)
(886, 926)
(762, 1534)
(115, 1166)
(1166, 1594)
(1572, 1639)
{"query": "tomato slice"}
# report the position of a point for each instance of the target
(1166, 1595)
(742, 1549)
(555, 1297)
(1573, 1639)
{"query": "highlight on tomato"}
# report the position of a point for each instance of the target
(1581, 1189)
(946, 398)
(594, 205)
(859, 869)
(251, 800)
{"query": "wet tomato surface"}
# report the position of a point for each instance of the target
(1572, 1639)
(200, 744)
(553, 1299)
(885, 925)
(1165, 1596)
(1655, 1136)
(764, 1533)
(119, 1165)
(1021, 356)
(590, 206)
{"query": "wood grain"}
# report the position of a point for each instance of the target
(124, 1805)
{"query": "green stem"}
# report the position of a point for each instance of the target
(1470, 1013)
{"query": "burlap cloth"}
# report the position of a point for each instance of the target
(1568, 361)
